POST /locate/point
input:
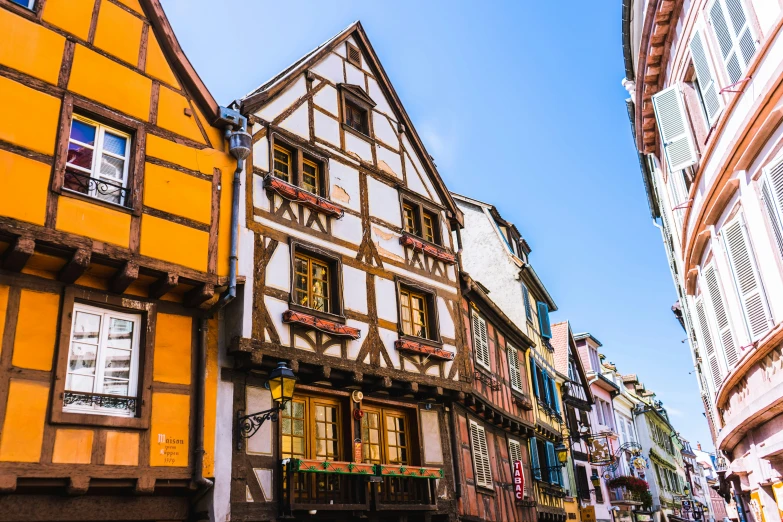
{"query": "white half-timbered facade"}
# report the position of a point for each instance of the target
(354, 284)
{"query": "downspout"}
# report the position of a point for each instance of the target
(455, 454)
(239, 142)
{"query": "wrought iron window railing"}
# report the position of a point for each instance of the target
(114, 402)
(98, 188)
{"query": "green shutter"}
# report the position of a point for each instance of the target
(534, 459)
(543, 320)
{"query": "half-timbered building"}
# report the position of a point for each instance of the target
(355, 287)
(494, 252)
(114, 240)
(495, 421)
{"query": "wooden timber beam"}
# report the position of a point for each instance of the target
(164, 285)
(124, 277)
(199, 295)
(76, 266)
(15, 257)
(78, 485)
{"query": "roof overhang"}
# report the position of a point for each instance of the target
(474, 291)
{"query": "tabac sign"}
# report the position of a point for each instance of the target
(519, 480)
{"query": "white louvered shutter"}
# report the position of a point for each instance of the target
(481, 466)
(513, 368)
(732, 30)
(676, 134)
(746, 277)
(707, 85)
(480, 341)
(772, 196)
(709, 346)
(727, 341)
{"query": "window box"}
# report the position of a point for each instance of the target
(322, 325)
(405, 345)
(325, 466)
(386, 470)
(103, 367)
(301, 196)
(419, 245)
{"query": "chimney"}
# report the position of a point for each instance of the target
(698, 446)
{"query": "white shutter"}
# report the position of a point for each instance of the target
(746, 277)
(772, 196)
(722, 323)
(513, 368)
(707, 85)
(676, 134)
(709, 345)
(514, 451)
(732, 30)
(480, 342)
(481, 466)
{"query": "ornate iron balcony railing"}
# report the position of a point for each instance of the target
(118, 402)
(98, 188)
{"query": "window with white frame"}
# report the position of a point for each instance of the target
(481, 464)
(513, 368)
(103, 362)
(732, 30)
(30, 4)
(771, 185)
(98, 159)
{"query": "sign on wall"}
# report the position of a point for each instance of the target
(587, 514)
(519, 480)
(599, 450)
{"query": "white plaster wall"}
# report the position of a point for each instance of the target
(354, 346)
(413, 179)
(284, 100)
(767, 11)
(387, 243)
(331, 68)
(224, 423)
(353, 75)
(261, 154)
(355, 289)
(444, 318)
(327, 99)
(358, 146)
(388, 337)
(326, 128)
(345, 180)
(377, 96)
(389, 161)
(384, 130)
(485, 259)
(276, 310)
(348, 228)
(298, 122)
(260, 199)
(384, 202)
(386, 298)
(259, 399)
(278, 272)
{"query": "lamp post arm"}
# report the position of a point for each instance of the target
(248, 425)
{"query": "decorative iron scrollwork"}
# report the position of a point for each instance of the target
(248, 425)
(116, 402)
(98, 188)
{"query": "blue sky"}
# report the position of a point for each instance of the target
(520, 104)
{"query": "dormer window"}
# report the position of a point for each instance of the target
(356, 117)
(420, 222)
(356, 105)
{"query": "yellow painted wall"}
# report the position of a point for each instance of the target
(122, 448)
(30, 48)
(116, 85)
(133, 4)
(173, 347)
(73, 16)
(177, 193)
(21, 175)
(224, 226)
(181, 155)
(95, 221)
(175, 243)
(169, 434)
(118, 33)
(23, 428)
(157, 66)
(171, 115)
(210, 402)
(3, 309)
(36, 330)
(72, 446)
(29, 117)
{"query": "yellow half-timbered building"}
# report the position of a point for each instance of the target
(115, 246)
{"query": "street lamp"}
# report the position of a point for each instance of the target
(281, 384)
(562, 453)
(686, 490)
(595, 479)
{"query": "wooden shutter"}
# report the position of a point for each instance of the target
(533, 369)
(709, 346)
(481, 466)
(772, 196)
(543, 320)
(534, 462)
(547, 389)
(746, 278)
(582, 485)
(707, 85)
(480, 341)
(513, 368)
(720, 316)
(526, 296)
(555, 403)
(551, 463)
(676, 134)
(735, 39)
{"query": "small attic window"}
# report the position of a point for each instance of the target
(353, 54)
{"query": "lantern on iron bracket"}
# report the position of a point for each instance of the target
(281, 384)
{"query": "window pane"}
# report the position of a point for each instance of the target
(112, 167)
(120, 333)
(80, 155)
(115, 387)
(117, 364)
(310, 177)
(86, 327)
(82, 360)
(81, 383)
(114, 144)
(282, 164)
(83, 132)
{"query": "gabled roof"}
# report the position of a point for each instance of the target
(282, 80)
(565, 347)
(586, 335)
(179, 62)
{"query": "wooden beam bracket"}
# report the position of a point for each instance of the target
(124, 277)
(78, 264)
(164, 285)
(199, 295)
(16, 256)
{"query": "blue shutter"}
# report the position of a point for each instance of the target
(551, 462)
(547, 391)
(543, 320)
(526, 295)
(534, 459)
(535, 377)
(555, 402)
